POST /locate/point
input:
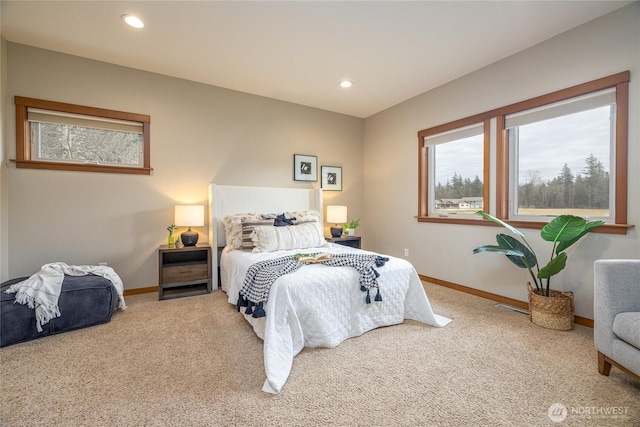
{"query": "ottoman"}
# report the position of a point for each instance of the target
(84, 301)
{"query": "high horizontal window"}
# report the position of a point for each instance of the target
(53, 135)
(560, 153)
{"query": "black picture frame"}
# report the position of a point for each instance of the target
(331, 178)
(305, 168)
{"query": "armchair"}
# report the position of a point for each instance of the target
(616, 315)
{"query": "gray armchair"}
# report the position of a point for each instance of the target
(616, 315)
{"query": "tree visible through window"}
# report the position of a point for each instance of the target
(459, 193)
(53, 135)
(560, 153)
(60, 142)
(453, 165)
(561, 164)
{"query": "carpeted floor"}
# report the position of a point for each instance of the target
(195, 362)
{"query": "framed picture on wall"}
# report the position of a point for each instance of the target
(305, 168)
(331, 178)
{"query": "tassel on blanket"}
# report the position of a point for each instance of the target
(368, 299)
(249, 309)
(44, 312)
(378, 296)
(381, 260)
(242, 302)
(259, 311)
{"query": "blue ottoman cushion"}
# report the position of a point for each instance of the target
(84, 301)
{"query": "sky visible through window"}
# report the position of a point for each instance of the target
(463, 157)
(544, 147)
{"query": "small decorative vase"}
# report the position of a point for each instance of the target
(171, 241)
(351, 232)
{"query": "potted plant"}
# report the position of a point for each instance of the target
(350, 227)
(547, 307)
(171, 240)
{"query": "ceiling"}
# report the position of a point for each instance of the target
(298, 51)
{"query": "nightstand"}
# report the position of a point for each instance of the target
(184, 271)
(354, 242)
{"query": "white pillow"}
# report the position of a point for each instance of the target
(305, 216)
(267, 238)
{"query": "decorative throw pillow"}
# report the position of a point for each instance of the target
(247, 228)
(270, 238)
(233, 229)
(305, 216)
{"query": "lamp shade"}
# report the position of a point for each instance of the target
(337, 214)
(189, 215)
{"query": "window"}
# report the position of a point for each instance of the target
(455, 160)
(52, 135)
(563, 152)
(560, 158)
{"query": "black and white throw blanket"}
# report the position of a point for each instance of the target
(261, 275)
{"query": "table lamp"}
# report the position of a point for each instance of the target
(189, 216)
(336, 215)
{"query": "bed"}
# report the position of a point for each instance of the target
(316, 305)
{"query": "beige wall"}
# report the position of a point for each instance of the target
(199, 134)
(602, 47)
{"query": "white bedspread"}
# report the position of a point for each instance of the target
(321, 306)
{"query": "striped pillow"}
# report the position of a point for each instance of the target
(248, 226)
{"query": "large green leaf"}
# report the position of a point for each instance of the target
(526, 258)
(565, 244)
(502, 223)
(497, 250)
(555, 266)
(515, 251)
(563, 228)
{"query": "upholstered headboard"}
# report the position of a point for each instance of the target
(232, 199)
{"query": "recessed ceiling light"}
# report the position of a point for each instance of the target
(346, 83)
(133, 20)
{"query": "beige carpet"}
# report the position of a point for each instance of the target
(195, 362)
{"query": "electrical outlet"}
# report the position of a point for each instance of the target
(406, 252)
(103, 264)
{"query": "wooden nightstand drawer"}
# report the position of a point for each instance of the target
(184, 273)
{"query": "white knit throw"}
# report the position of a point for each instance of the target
(42, 290)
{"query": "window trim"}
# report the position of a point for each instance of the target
(620, 81)
(23, 137)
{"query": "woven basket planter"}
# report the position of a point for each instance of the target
(552, 312)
